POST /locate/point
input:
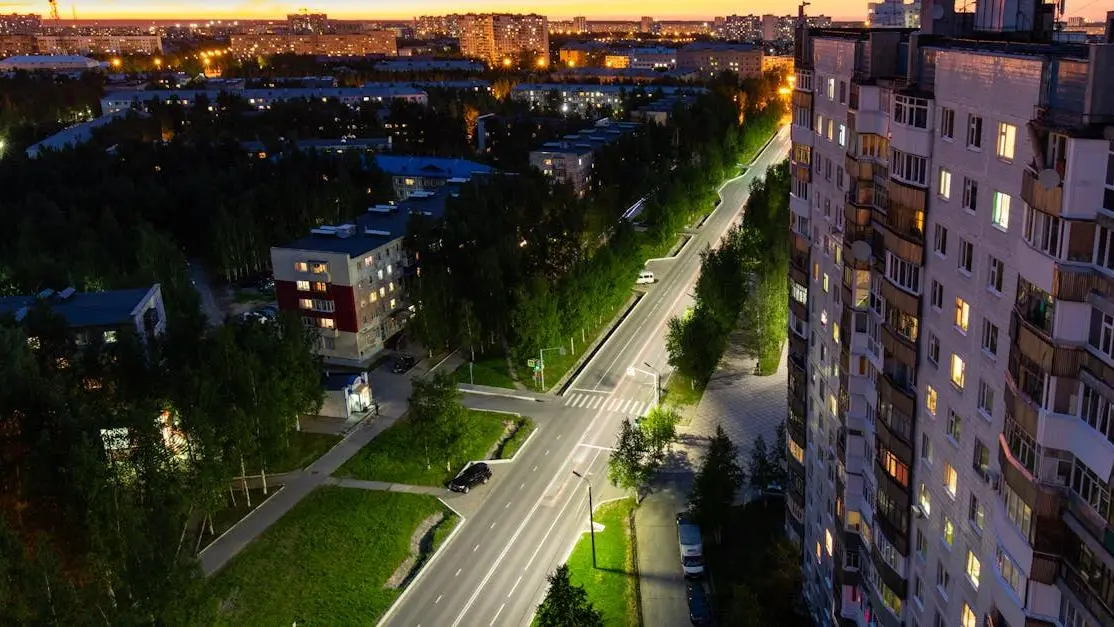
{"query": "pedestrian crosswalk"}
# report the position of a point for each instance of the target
(602, 402)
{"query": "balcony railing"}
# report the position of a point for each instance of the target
(1046, 200)
(1038, 309)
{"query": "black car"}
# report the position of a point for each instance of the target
(700, 612)
(403, 363)
(470, 477)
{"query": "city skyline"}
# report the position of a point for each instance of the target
(356, 9)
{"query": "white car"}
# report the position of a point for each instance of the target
(645, 278)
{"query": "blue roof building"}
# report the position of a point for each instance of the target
(92, 313)
(411, 174)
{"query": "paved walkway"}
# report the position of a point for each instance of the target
(385, 486)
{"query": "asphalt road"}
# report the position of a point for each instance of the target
(523, 524)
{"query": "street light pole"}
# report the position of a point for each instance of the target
(591, 519)
(652, 373)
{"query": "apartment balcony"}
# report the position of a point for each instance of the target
(798, 352)
(1037, 196)
(1034, 344)
(861, 194)
(1074, 282)
(899, 298)
(897, 346)
(862, 168)
(797, 273)
(899, 391)
(802, 135)
(1082, 587)
(901, 234)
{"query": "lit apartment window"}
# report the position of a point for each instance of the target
(969, 618)
(924, 497)
(819, 124)
(890, 599)
(948, 530)
(894, 467)
(305, 303)
(328, 323)
(944, 188)
(1007, 137)
(842, 135)
(970, 194)
(374, 297)
(930, 399)
(391, 286)
(393, 301)
(303, 286)
(831, 88)
(320, 286)
(825, 283)
(831, 130)
(974, 132)
(974, 569)
(955, 425)
(940, 240)
(947, 123)
(966, 260)
(1011, 572)
(958, 371)
(1000, 213)
(962, 314)
(1042, 231)
(1019, 513)
(301, 266)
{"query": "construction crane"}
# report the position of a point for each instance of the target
(54, 11)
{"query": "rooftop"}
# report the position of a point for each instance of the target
(82, 309)
(437, 167)
(380, 225)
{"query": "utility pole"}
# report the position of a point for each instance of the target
(591, 518)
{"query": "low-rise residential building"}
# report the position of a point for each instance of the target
(264, 98)
(660, 110)
(349, 282)
(711, 58)
(426, 64)
(98, 44)
(96, 316)
(572, 158)
(344, 144)
(73, 136)
(410, 174)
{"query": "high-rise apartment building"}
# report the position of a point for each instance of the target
(430, 26)
(307, 23)
(894, 14)
(502, 38)
(580, 24)
(951, 382)
(376, 42)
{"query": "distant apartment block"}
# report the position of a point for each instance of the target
(951, 342)
(95, 316)
(350, 282)
(263, 98)
(49, 63)
(572, 158)
(379, 42)
(433, 26)
(502, 38)
(427, 64)
(894, 14)
(711, 58)
(20, 24)
(762, 27)
(307, 23)
(99, 44)
(362, 145)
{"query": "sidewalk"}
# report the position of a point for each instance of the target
(224, 548)
(385, 486)
(662, 583)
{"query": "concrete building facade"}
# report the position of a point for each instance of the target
(951, 329)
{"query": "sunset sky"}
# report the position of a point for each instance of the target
(398, 9)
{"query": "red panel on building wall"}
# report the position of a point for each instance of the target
(344, 298)
(286, 293)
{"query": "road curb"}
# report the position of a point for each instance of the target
(635, 565)
(529, 439)
(425, 568)
(201, 553)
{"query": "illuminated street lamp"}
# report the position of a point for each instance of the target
(116, 63)
(591, 520)
(507, 62)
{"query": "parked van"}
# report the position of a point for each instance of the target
(645, 277)
(692, 546)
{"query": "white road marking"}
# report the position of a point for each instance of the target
(492, 526)
(535, 469)
(515, 586)
(584, 400)
(458, 572)
(496, 615)
(547, 451)
(639, 409)
(522, 485)
(626, 406)
(613, 403)
(438, 599)
(596, 402)
(557, 517)
(558, 436)
(507, 505)
(475, 547)
(602, 448)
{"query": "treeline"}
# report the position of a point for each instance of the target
(520, 263)
(35, 105)
(742, 285)
(103, 530)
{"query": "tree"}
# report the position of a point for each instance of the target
(779, 456)
(761, 469)
(567, 605)
(744, 607)
(435, 408)
(628, 467)
(695, 344)
(660, 429)
(716, 483)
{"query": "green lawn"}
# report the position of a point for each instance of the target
(397, 455)
(324, 563)
(611, 587)
(523, 428)
(489, 369)
(304, 449)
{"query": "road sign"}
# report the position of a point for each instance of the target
(533, 363)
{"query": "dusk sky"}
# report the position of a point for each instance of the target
(402, 9)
